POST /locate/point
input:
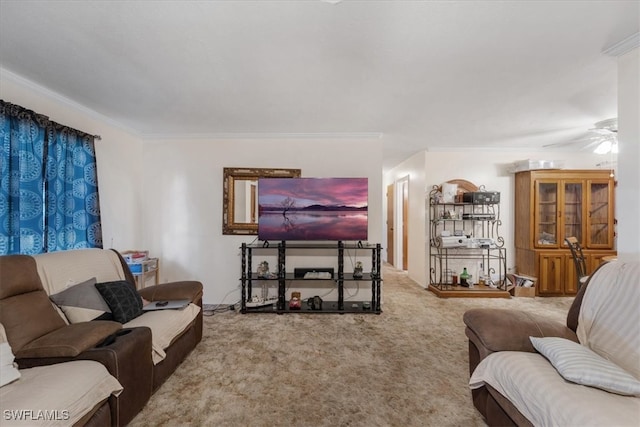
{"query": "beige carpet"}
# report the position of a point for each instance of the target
(405, 367)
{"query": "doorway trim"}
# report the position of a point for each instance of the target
(401, 226)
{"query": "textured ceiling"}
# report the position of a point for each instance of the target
(423, 75)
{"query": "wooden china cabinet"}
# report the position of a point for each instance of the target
(551, 205)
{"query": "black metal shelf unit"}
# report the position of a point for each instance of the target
(282, 277)
(463, 234)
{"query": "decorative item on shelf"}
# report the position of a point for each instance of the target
(294, 302)
(481, 197)
(315, 303)
(464, 277)
(257, 301)
(135, 257)
(263, 270)
(449, 191)
(449, 214)
(357, 270)
(448, 276)
(142, 266)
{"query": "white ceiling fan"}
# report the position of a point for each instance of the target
(603, 136)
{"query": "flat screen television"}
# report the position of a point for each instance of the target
(313, 209)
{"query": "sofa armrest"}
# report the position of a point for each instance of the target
(128, 358)
(492, 330)
(189, 289)
(70, 340)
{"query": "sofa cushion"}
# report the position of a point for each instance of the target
(25, 309)
(579, 364)
(536, 389)
(28, 316)
(58, 269)
(122, 298)
(82, 302)
(70, 340)
(19, 275)
(609, 320)
(517, 326)
(68, 390)
(165, 326)
(8, 372)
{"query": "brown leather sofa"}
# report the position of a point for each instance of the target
(39, 335)
(494, 330)
(513, 335)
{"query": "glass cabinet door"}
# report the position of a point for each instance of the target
(600, 214)
(573, 211)
(546, 214)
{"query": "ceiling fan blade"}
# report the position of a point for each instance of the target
(604, 132)
(561, 144)
(588, 142)
(592, 144)
(591, 139)
(610, 125)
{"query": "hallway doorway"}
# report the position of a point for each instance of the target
(397, 224)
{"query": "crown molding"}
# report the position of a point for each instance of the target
(61, 99)
(479, 149)
(623, 46)
(266, 135)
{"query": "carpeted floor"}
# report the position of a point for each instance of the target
(405, 367)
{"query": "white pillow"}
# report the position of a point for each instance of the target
(581, 365)
(8, 372)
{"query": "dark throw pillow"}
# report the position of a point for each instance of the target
(122, 298)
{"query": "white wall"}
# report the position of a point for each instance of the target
(491, 169)
(183, 200)
(628, 191)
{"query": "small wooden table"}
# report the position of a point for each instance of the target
(609, 258)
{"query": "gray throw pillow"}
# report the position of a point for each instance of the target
(122, 298)
(82, 302)
(579, 364)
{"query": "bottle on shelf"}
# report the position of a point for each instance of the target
(464, 277)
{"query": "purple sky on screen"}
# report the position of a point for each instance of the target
(307, 191)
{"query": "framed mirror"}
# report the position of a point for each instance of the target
(240, 197)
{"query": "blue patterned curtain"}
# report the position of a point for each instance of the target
(22, 133)
(49, 190)
(72, 218)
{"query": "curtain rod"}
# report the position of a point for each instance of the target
(44, 120)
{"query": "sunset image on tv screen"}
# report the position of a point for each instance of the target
(312, 208)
